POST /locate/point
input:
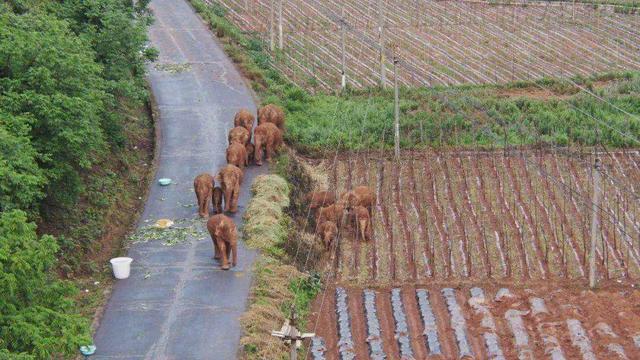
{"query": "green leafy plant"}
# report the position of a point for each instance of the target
(37, 316)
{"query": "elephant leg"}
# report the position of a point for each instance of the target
(269, 152)
(234, 199)
(216, 250)
(223, 252)
(227, 199)
(234, 252)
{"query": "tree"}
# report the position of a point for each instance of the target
(36, 310)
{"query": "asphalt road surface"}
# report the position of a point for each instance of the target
(177, 303)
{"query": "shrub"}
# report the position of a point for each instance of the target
(37, 315)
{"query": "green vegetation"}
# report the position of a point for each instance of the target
(37, 319)
(463, 116)
(75, 144)
(276, 286)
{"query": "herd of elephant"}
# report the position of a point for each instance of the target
(355, 205)
(267, 140)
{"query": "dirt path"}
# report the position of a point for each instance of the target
(177, 298)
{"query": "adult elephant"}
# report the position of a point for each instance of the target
(203, 187)
(230, 178)
(237, 155)
(273, 114)
(225, 239)
(245, 119)
(268, 138)
(359, 196)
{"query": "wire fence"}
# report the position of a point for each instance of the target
(441, 42)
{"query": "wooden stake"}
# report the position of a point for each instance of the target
(381, 42)
(396, 106)
(594, 222)
(272, 35)
(280, 39)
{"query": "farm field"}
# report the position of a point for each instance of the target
(472, 216)
(475, 322)
(453, 230)
(444, 42)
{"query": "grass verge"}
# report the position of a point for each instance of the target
(276, 285)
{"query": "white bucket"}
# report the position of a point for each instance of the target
(121, 267)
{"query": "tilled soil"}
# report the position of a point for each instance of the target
(462, 215)
(459, 220)
(609, 318)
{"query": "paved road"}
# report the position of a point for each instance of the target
(177, 304)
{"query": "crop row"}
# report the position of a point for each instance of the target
(525, 216)
(415, 323)
(444, 43)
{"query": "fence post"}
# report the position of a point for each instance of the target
(343, 83)
(396, 105)
(381, 42)
(594, 222)
(280, 40)
(272, 35)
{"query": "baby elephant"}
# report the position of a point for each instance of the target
(237, 155)
(230, 178)
(332, 213)
(268, 138)
(245, 119)
(250, 153)
(225, 239)
(363, 222)
(240, 135)
(273, 114)
(217, 199)
(320, 198)
(327, 232)
(203, 186)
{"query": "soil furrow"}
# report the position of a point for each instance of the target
(416, 200)
(429, 189)
(358, 323)
(471, 214)
(608, 232)
(371, 261)
(541, 212)
(464, 241)
(563, 218)
(505, 261)
(355, 241)
(524, 263)
(387, 324)
(408, 239)
(380, 206)
(526, 214)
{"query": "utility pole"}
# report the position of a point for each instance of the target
(291, 335)
(280, 40)
(342, 48)
(272, 35)
(594, 222)
(397, 104)
(381, 42)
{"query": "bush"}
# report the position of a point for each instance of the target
(37, 315)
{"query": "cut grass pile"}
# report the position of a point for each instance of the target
(276, 285)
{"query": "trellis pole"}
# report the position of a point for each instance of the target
(272, 35)
(594, 222)
(381, 42)
(280, 39)
(343, 83)
(396, 104)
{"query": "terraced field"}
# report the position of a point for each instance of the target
(473, 216)
(444, 42)
(420, 322)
